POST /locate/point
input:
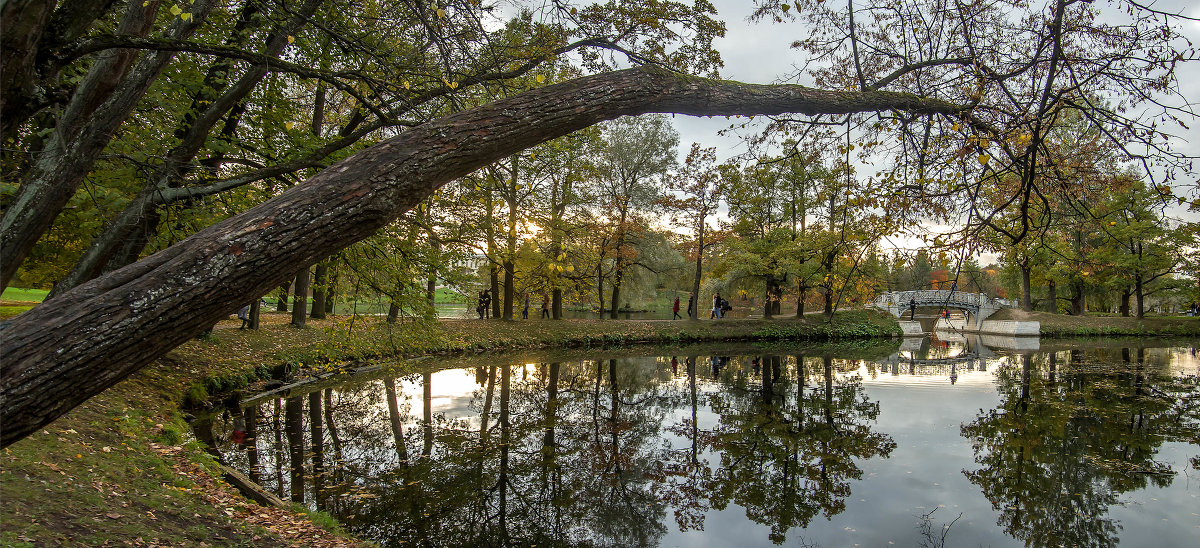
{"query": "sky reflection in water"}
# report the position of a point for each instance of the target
(1072, 443)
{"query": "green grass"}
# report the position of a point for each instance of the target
(23, 295)
(7, 311)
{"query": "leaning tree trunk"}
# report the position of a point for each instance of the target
(67, 350)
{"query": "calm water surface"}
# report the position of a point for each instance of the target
(1012, 444)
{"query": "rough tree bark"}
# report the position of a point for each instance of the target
(63, 352)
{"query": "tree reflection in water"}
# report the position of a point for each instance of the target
(586, 453)
(1108, 412)
(787, 459)
(607, 452)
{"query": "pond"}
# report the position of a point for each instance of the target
(954, 441)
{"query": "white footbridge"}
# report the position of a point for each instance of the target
(976, 305)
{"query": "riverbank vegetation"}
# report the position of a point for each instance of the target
(124, 466)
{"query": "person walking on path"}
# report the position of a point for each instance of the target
(691, 305)
(244, 314)
(675, 309)
(545, 308)
(525, 311)
(716, 309)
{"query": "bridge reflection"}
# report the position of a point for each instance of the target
(947, 353)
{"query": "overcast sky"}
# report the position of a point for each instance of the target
(761, 53)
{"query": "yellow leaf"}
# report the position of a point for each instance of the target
(176, 11)
(453, 85)
(186, 17)
(289, 125)
(983, 159)
(407, 85)
(570, 268)
(955, 126)
(291, 39)
(441, 12)
(785, 8)
(541, 78)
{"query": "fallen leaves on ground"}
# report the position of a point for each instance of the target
(284, 526)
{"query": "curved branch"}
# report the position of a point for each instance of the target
(63, 352)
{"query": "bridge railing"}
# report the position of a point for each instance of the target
(928, 297)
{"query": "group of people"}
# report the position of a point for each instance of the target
(484, 308)
(719, 308)
(545, 308)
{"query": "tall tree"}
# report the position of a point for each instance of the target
(694, 194)
(637, 154)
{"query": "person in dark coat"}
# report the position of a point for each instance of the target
(675, 309)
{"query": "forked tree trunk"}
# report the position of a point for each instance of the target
(65, 351)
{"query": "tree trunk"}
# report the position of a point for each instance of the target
(320, 282)
(1026, 299)
(331, 291)
(389, 386)
(23, 23)
(1139, 296)
(802, 294)
(1052, 295)
(1124, 305)
(293, 421)
(427, 414)
(614, 305)
(600, 289)
(250, 417)
(114, 325)
(300, 299)
(509, 293)
(317, 436)
(282, 304)
(1077, 299)
(768, 310)
(694, 312)
(255, 313)
(556, 303)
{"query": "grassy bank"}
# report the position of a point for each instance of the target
(122, 467)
